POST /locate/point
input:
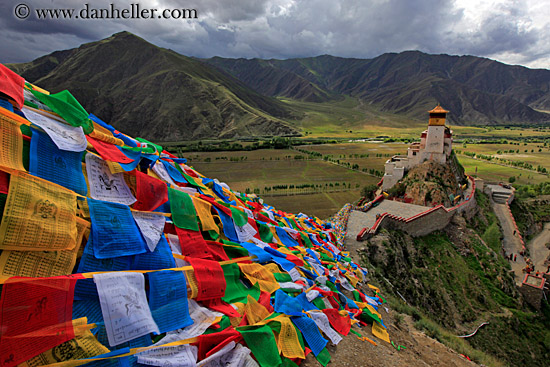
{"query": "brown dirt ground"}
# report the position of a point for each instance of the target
(421, 350)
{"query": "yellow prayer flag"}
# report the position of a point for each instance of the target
(255, 312)
(260, 274)
(380, 332)
(374, 288)
(204, 211)
(287, 339)
(42, 263)
(84, 345)
(39, 216)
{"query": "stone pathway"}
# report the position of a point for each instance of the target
(359, 220)
(511, 241)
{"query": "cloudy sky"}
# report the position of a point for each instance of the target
(511, 31)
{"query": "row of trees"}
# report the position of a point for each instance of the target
(509, 162)
(305, 188)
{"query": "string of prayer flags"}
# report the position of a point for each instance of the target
(105, 185)
(124, 306)
(114, 230)
(66, 106)
(126, 139)
(254, 269)
(64, 168)
(168, 300)
(210, 278)
(64, 136)
(184, 214)
(35, 314)
(39, 216)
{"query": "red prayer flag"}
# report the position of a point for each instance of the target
(219, 305)
(108, 152)
(265, 301)
(340, 323)
(150, 192)
(210, 279)
(35, 316)
(216, 249)
(193, 244)
(211, 343)
(12, 85)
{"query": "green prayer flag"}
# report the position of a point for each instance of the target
(306, 240)
(318, 302)
(261, 341)
(149, 144)
(369, 317)
(282, 277)
(224, 324)
(66, 106)
(183, 210)
(288, 363)
(193, 181)
(235, 290)
(323, 357)
(265, 233)
(240, 218)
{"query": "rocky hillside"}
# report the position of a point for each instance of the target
(430, 183)
(147, 91)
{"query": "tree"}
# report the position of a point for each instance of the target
(369, 191)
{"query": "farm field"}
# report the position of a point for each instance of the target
(335, 185)
(321, 205)
(259, 170)
(495, 172)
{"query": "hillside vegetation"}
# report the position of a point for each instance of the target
(458, 278)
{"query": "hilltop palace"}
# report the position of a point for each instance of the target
(435, 144)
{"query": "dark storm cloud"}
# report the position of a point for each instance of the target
(295, 28)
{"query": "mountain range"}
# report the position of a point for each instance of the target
(148, 91)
